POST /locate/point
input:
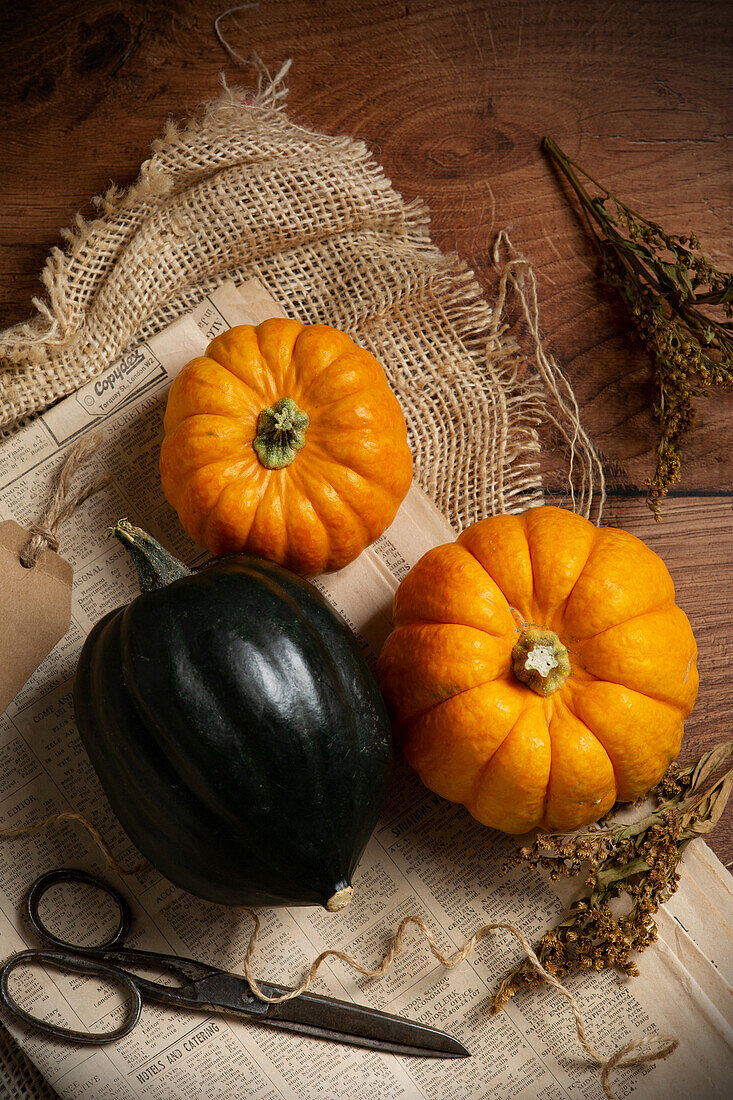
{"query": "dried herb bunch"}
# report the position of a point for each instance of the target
(676, 300)
(637, 860)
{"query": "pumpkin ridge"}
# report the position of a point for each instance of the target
(290, 379)
(566, 703)
(186, 479)
(667, 757)
(205, 529)
(633, 569)
(340, 417)
(557, 613)
(673, 630)
(368, 363)
(320, 450)
(627, 687)
(313, 378)
(346, 504)
(264, 504)
(298, 480)
(434, 706)
(535, 607)
(360, 428)
(248, 391)
(229, 422)
(557, 717)
(622, 622)
(512, 610)
(485, 766)
(260, 390)
(292, 485)
(177, 497)
(364, 385)
(468, 626)
(283, 329)
(199, 370)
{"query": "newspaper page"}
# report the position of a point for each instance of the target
(426, 856)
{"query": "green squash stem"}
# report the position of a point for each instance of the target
(156, 567)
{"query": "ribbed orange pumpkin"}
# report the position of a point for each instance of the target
(539, 670)
(286, 441)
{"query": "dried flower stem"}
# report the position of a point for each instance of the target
(668, 287)
(638, 860)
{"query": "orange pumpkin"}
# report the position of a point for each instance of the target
(286, 441)
(539, 670)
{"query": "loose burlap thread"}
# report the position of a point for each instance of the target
(242, 190)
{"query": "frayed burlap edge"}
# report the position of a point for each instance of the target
(105, 293)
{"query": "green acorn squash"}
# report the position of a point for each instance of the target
(236, 729)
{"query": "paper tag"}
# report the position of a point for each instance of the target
(35, 609)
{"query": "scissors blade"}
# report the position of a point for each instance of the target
(309, 1014)
(325, 1018)
(358, 1025)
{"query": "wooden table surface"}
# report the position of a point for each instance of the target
(454, 97)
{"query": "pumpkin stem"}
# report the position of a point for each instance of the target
(540, 660)
(156, 567)
(280, 433)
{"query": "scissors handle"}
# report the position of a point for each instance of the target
(77, 964)
(70, 874)
(74, 958)
(106, 960)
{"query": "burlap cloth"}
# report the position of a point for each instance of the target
(242, 190)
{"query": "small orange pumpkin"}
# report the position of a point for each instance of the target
(539, 670)
(286, 441)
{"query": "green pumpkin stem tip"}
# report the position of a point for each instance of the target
(156, 567)
(280, 434)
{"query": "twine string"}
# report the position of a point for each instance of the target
(649, 1048)
(12, 832)
(224, 43)
(64, 502)
(266, 83)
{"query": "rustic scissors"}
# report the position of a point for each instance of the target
(204, 988)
